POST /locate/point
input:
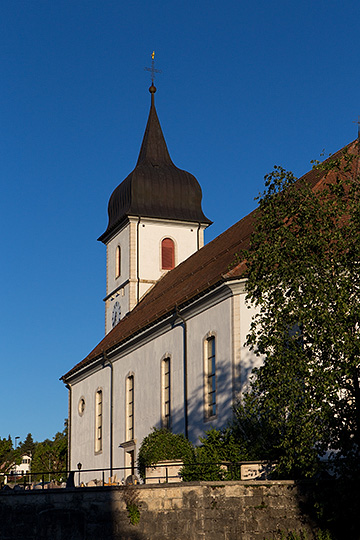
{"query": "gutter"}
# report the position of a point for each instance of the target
(137, 260)
(140, 329)
(68, 386)
(186, 413)
(106, 363)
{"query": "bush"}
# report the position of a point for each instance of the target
(162, 444)
(214, 458)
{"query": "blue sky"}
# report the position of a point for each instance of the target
(244, 86)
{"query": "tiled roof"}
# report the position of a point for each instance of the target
(213, 264)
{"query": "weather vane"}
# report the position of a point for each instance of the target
(152, 68)
(358, 123)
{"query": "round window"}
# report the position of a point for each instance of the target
(81, 406)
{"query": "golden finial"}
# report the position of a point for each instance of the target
(152, 69)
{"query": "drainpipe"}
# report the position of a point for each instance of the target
(68, 386)
(108, 362)
(138, 260)
(198, 241)
(185, 373)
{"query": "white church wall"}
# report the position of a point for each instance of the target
(83, 424)
(121, 239)
(152, 232)
(144, 363)
(248, 360)
(113, 282)
(215, 321)
(215, 316)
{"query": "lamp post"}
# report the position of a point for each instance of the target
(79, 465)
(16, 440)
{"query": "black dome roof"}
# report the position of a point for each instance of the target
(156, 187)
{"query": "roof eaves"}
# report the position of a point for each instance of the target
(158, 318)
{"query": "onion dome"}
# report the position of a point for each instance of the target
(156, 188)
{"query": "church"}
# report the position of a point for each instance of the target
(176, 318)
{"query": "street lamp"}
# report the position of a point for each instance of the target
(16, 440)
(79, 465)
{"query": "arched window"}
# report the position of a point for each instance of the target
(118, 262)
(167, 254)
(130, 408)
(166, 397)
(98, 420)
(210, 377)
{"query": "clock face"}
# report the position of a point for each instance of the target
(116, 314)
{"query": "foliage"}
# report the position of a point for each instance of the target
(50, 455)
(133, 513)
(6, 454)
(162, 444)
(130, 495)
(28, 446)
(251, 426)
(304, 279)
(214, 459)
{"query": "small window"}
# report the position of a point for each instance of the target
(81, 406)
(210, 378)
(167, 254)
(118, 262)
(98, 420)
(130, 408)
(166, 403)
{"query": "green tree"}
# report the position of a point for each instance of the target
(28, 446)
(50, 455)
(6, 454)
(304, 279)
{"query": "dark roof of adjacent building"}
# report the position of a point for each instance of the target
(215, 263)
(156, 188)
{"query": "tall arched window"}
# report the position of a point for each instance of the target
(130, 408)
(98, 420)
(165, 391)
(118, 262)
(167, 254)
(210, 377)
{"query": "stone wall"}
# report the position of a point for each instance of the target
(186, 511)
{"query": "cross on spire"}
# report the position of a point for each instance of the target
(358, 123)
(152, 68)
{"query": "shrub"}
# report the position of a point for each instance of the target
(162, 444)
(216, 458)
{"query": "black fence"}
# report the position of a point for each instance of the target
(163, 472)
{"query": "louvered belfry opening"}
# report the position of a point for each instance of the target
(167, 254)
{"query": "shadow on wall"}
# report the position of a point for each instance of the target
(81, 514)
(225, 397)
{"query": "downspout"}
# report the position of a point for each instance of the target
(110, 364)
(198, 241)
(68, 386)
(185, 373)
(137, 260)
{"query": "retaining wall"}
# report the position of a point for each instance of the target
(191, 511)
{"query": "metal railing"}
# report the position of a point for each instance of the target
(164, 472)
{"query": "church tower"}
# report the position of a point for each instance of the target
(155, 222)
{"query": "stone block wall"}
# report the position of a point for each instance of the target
(191, 511)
